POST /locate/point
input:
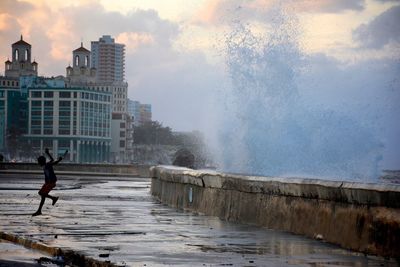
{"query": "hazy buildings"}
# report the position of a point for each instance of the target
(84, 112)
(141, 113)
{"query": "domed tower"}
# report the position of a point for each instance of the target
(80, 72)
(21, 64)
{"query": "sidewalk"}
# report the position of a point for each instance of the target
(120, 222)
(14, 255)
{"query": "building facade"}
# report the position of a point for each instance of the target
(77, 118)
(13, 112)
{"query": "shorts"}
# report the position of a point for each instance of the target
(46, 188)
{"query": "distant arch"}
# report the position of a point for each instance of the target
(16, 54)
(87, 61)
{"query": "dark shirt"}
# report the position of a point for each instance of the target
(49, 175)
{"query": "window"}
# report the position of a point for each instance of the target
(48, 94)
(48, 144)
(122, 134)
(65, 94)
(116, 116)
(64, 123)
(122, 125)
(35, 143)
(64, 131)
(36, 94)
(122, 143)
(36, 103)
(48, 103)
(63, 143)
(65, 103)
(48, 131)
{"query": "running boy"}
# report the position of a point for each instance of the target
(49, 178)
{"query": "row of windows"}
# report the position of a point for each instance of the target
(67, 104)
(67, 131)
(89, 96)
(9, 83)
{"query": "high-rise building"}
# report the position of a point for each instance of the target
(108, 58)
(21, 64)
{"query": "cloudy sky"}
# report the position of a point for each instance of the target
(179, 52)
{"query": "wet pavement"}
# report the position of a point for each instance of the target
(15, 255)
(118, 220)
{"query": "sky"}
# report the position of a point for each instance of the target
(178, 51)
(174, 48)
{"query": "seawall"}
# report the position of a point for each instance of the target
(133, 170)
(356, 216)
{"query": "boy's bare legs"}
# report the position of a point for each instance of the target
(39, 211)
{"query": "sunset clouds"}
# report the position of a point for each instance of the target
(175, 49)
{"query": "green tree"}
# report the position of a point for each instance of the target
(153, 133)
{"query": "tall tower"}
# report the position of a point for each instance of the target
(108, 58)
(21, 64)
(81, 72)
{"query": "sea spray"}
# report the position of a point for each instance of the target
(270, 129)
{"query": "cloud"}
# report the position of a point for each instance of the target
(327, 6)
(218, 11)
(382, 30)
(133, 40)
(13, 7)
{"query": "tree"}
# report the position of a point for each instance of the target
(153, 133)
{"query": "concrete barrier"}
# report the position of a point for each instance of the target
(135, 170)
(357, 216)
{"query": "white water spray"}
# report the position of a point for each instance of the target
(272, 129)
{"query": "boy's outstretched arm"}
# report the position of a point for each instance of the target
(57, 161)
(48, 154)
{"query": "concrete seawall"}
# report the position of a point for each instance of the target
(135, 170)
(356, 216)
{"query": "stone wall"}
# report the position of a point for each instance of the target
(357, 216)
(122, 169)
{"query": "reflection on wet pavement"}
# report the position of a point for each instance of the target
(121, 222)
